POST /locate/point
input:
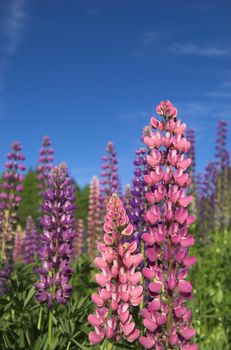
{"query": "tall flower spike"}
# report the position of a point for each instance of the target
(18, 243)
(45, 164)
(11, 187)
(78, 241)
(93, 218)
(166, 317)
(190, 135)
(139, 189)
(110, 181)
(222, 208)
(127, 198)
(57, 238)
(118, 281)
(31, 241)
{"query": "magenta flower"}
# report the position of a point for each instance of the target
(31, 241)
(167, 320)
(57, 238)
(45, 164)
(93, 218)
(118, 281)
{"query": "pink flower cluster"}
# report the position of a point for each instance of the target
(93, 217)
(167, 320)
(78, 240)
(119, 287)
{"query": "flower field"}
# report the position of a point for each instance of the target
(105, 267)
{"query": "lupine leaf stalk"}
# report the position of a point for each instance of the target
(167, 320)
(45, 164)
(31, 241)
(93, 226)
(119, 288)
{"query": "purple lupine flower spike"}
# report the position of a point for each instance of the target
(110, 180)
(139, 188)
(45, 164)
(222, 208)
(31, 241)
(18, 243)
(166, 318)
(57, 237)
(11, 187)
(78, 241)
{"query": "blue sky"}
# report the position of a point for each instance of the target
(88, 72)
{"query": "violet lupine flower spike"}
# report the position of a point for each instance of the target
(57, 237)
(139, 188)
(222, 209)
(45, 164)
(166, 318)
(110, 182)
(9, 201)
(31, 241)
(93, 218)
(118, 282)
(18, 243)
(78, 241)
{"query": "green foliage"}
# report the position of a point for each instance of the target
(30, 202)
(212, 295)
(82, 203)
(19, 310)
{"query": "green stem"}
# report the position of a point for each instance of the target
(40, 317)
(50, 323)
(110, 346)
(68, 345)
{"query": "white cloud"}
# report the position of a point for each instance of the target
(199, 50)
(12, 25)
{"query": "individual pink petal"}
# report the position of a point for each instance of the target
(147, 342)
(187, 241)
(155, 287)
(185, 286)
(133, 336)
(187, 333)
(96, 299)
(94, 321)
(127, 328)
(190, 260)
(150, 325)
(94, 338)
